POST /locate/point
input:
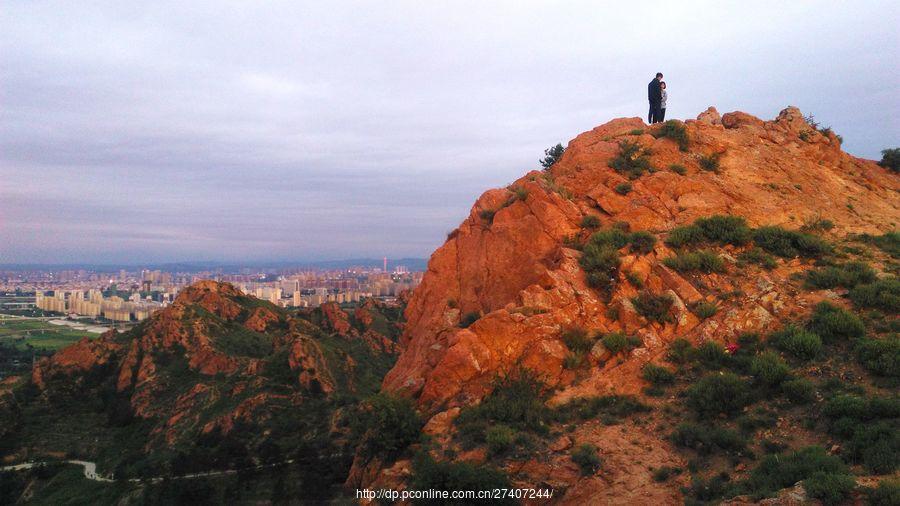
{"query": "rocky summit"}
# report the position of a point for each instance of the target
(698, 311)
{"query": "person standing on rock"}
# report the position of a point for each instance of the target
(654, 94)
(662, 101)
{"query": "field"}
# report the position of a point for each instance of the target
(21, 332)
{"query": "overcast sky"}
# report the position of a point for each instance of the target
(155, 131)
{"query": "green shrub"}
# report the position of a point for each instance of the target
(675, 130)
(680, 351)
(657, 375)
(832, 323)
(487, 215)
(636, 131)
(601, 264)
(590, 221)
(790, 243)
(552, 155)
(869, 428)
(769, 369)
(468, 319)
(799, 390)
(616, 342)
(678, 169)
(887, 493)
(519, 193)
(577, 339)
(718, 393)
(703, 261)
(759, 257)
(610, 407)
(711, 355)
(517, 401)
(706, 439)
(846, 275)
(888, 242)
(725, 229)
(710, 162)
(623, 188)
(797, 341)
(880, 356)
(632, 160)
(684, 236)
(585, 455)
(654, 307)
(705, 309)
(664, 473)
(386, 425)
(890, 159)
(775, 472)
(499, 439)
(429, 474)
(642, 242)
(830, 488)
(816, 224)
(635, 279)
(883, 294)
(615, 238)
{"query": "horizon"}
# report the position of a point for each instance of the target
(148, 134)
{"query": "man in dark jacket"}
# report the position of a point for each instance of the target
(654, 94)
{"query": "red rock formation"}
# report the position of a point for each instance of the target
(515, 270)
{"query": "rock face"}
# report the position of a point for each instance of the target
(508, 261)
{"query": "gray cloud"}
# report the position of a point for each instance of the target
(214, 130)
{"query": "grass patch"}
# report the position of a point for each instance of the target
(657, 375)
(716, 394)
(517, 401)
(833, 323)
(590, 221)
(883, 294)
(758, 257)
(623, 188)
(797, 341)
(675, 130)
(705, 309)
(632, 160)
(707, 439)
(881, 357)
(790, 243)
(617, 342)
(429, 474)
(585, 455)
(710, 163)
(654, 307)
(610, 408)
(846, 275)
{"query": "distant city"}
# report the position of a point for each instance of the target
(97, 296)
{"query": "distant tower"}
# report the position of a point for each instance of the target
(385, 264)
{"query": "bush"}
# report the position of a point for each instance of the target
(487, 215)
(553, 155)
(680, 351)
(889, 242)
(577, 339)
(684, 236)
(718, 393)
(880, 356)
(703, 261)
(517, 401)
(887, 493)
(705, 309)
(790, 243)
(635, 279)
(832, 323)
(799, 390)
(657, 375)
(678, 169)
(707, 439)
(725, 229)
(890, 159)
(769, 369)
(776, 472)
(710, 162)
(654, 307)
(590, 221)
(830, 488)
(616, 342)
(869, 428)
(759, 257)
(623, 188)
(883, 294)
(468, 319)
(585, 455)
(386, 425)
(601, 264)
(429, 474)
(642, 242)
(675, 130)
(847, 275)
(499, 439)
(798, 342)
(712, 355)
(610, 407)
(632, 160)
(664, 473)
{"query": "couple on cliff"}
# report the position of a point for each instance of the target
(656, 92)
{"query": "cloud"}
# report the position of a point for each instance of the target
(219, 130)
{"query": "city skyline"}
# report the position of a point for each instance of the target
(170, 132)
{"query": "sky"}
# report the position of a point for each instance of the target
(185, 131)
